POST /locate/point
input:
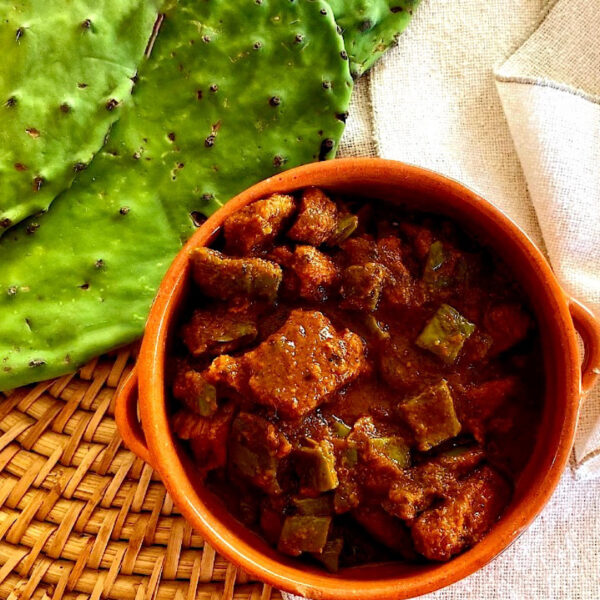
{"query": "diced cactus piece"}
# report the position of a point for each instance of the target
(394, 448)
(259, 467)
(255, 448)
(431, 416)
(340, 429)
(377, 328)
(370, 27)
(346, 226)
(67, 70)
(316, 466)
(433, 274)
(202, 125)
(330, 556)
(350, 457)
(319, 507)
(445, 334)
(303, 534)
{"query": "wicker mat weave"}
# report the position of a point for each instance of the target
(83, 518)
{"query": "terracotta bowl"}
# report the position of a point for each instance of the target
(559, 317)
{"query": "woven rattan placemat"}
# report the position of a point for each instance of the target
(83, 518)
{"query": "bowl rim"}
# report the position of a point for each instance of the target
(299, 580)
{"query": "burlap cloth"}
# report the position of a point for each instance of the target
(504, 95)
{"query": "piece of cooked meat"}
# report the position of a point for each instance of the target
(295, 369)
(221, 277)
(218, 330)
(207, 435)
(317, 218)
(416, 488)
(256, 226)
(508, 324)
(477, 404)
(384, 528)
(463, 519)
(195, 392)
(362, 286)
(307, 272)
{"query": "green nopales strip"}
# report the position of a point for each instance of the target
(66, 71)
(370, 27)
(232, 93)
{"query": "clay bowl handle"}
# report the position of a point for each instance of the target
(127, 419)
(588, 327)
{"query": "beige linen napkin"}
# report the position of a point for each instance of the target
(550, 91)
(504, 95)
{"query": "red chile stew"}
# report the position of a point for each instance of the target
(356, 382)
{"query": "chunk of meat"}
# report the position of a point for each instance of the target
(382, 456)
(431, 416)
(389, 251)
(418, 487)
(359, 250)
(421, 238)
(195, 392)
(255, 448)
(308, 272)
(415, 489)
(476, 405)
(218, 330)
(221, 277)
(254, 228)
(404, 367)
(401, 289)
(508, 324)
(317, 218)
(207, 435)
(297, 368)
(398, 286)
(362, 286)
(386, 529)
(461, 521)
(259, 434)
(477, 346)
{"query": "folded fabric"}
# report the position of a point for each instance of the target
(550, 91)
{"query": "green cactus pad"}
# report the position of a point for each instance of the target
(233, 92)
(370, 27)
(66, 71)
